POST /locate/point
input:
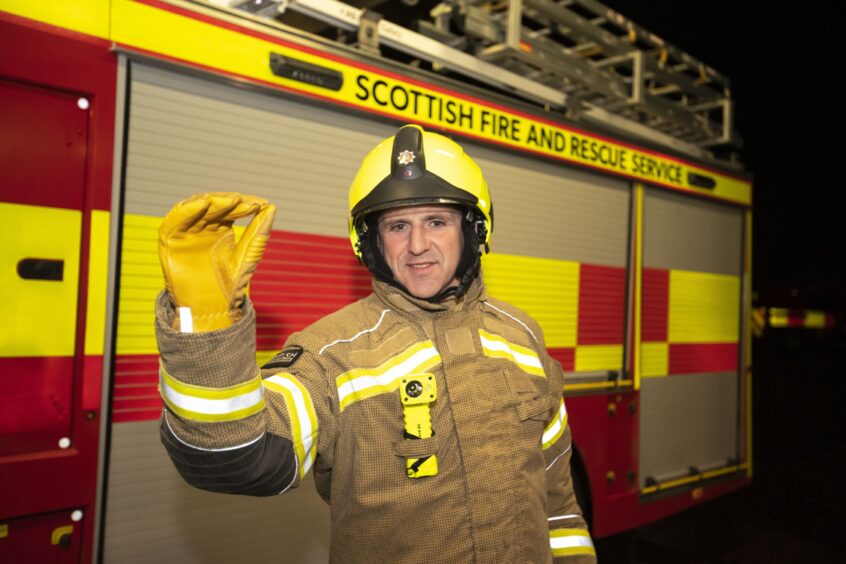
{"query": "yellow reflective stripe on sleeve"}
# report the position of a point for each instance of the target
(211, 404)
(363, 383)
(569, 542)
(210, 393)
(555, 428)
(495, 346)
(304, 426)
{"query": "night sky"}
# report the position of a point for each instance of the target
(784, 65)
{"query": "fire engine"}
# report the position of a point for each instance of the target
(623, 225)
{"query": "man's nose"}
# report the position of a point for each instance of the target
(419, 242)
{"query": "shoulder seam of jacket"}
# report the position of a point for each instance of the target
(515, 319)
(357, 335)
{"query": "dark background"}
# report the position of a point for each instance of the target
(785, 65)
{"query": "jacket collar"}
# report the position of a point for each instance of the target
(397, 299)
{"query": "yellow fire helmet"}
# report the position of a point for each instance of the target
(420, 167)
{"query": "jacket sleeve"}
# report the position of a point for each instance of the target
(569, 537)
(230, 427)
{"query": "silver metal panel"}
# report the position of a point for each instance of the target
(188, 135)
(547, 210)
(687, 421)
(686, 233)
(154, 516)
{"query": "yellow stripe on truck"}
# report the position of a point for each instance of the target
(85, 16)
(40, 233)
(141, 281)
(654, 359)
(590, 358)
(546, 289)
(98, 271)
(704, 307)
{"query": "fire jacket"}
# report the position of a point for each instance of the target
(330, 402)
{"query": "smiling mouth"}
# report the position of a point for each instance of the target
(420, 265)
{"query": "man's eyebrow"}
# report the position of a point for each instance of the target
(391, 220)
(443, 215)
(438, 215)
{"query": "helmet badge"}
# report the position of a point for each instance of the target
(405, 157)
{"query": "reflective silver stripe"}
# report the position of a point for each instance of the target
(570, 541)
(518, 357)
(555, 428)
(212, 406)
(362, 383)
(303, 417)
(207, 408)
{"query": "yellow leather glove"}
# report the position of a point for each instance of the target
(203, 267)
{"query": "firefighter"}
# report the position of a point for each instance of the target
(429, 413)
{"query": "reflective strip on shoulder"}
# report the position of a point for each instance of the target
(199, 403)
(495, 346)
(363, 383)
(569, 542)
(304, 426)
(555, 428)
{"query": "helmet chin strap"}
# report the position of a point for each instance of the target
(466, 271)
(468, 266)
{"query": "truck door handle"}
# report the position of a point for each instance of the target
(41, 269)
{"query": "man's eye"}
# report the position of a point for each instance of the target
(397, 227)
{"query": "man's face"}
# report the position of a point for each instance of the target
(422, 246)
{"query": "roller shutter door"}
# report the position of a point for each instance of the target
(692, 266)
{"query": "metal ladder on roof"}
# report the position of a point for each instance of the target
(597, 56)
(577, 57)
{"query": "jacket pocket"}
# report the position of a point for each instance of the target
(415, 448)
(537, 408)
